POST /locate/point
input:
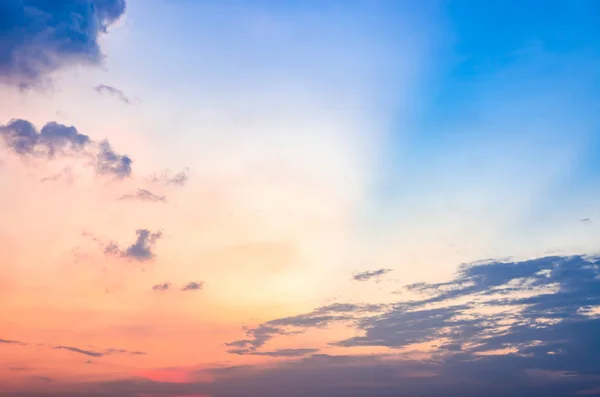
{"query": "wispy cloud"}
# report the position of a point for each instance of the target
(12, 342)
(167, 178)
(113, 91)
(370, 274)
(144, 195)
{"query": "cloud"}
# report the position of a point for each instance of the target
(179, 179)
(23, 138)
(193, 286)
(144, 195)
(80, 351)
(41, 37)
(12, 342)
(320, 317)
(109, 162)
(66, 174)
(93, 353)
(497, 322)
(586, 220)
(43, 378)
(370, 274)
(275, 353)
(117, 93)
(55, 139)
(161, 287)
(140, 250)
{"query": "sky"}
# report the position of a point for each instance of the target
(204, 198)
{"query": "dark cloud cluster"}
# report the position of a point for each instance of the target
(511, 328)
(55, 139)
(42, 36)
(140, 250)
(144, 195)
(112, 91)
(370, 274)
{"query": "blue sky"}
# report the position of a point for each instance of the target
(208, 198)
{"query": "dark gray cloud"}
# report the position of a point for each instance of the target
(586, 220)
(370, 274)
(40, 37)
(55, 139)
(140, 250)
(161, 287)
(113, 91)
(144, 195)
(193, 286)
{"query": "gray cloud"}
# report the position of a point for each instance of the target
(319, 318)
(193, 286)
(55, 139)
(113, 91)
(23, 138)
(275, 353)
(40, 37)
(370, 274)
(140, 250)
(109, 162)
(161, 287)
(80, 351)
(12, 342)
(144, 195)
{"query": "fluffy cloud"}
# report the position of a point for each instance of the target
(140, 250)
(55, 139)
(40, 37)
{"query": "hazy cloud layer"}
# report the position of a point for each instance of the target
(39, 37)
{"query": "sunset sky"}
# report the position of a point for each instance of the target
(204, 198)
